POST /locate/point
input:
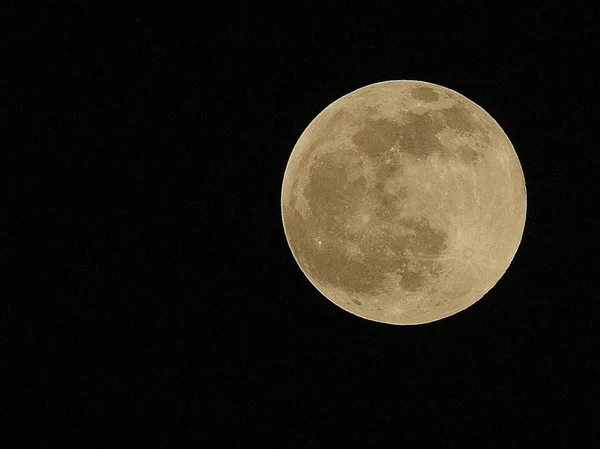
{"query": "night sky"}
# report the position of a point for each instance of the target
(151, 297)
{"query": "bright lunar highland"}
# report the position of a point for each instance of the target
(403, 202)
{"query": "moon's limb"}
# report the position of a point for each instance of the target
(403, 202)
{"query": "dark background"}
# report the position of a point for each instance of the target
(152, 298)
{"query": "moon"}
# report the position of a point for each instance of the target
(403, 202)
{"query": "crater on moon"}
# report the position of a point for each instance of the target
(403, 202)
(424, 93)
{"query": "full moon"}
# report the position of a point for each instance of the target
(403, 202)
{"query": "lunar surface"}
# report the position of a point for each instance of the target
(403, 202)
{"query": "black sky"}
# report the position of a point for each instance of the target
(153, 300)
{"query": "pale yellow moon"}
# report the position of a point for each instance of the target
(403, 202)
